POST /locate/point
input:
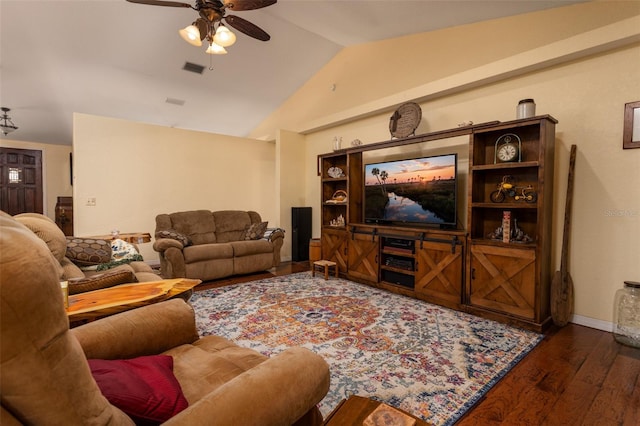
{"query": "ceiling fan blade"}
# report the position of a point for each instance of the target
(162, 3)
(236, 5)
(203, 27)
(247, 27)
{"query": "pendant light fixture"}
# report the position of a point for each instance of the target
(6, 124)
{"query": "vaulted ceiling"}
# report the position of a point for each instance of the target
(118, 59)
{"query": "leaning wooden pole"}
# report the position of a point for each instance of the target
(562, 284)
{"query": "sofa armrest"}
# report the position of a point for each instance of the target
(162, 244)
(273, 234)
(119, 275)
(148, 330)
(278, 391)
(171, 257)
(276, 237)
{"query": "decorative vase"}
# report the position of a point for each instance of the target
(626, 314)
(526, 109)
(337, 143)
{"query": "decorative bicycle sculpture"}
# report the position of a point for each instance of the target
(508, 188)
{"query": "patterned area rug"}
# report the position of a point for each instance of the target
(425, 359)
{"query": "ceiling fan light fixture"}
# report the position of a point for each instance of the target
(191, 35)
(216, 49)
(224, 37)
(6, 125)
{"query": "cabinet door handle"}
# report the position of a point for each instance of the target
(473, 273)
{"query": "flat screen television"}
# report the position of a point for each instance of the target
(412, 191)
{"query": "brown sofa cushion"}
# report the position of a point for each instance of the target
(88, 251)
(104, 280)
(214, 354)
(204, 252)
(247, 248)
(255, 231)
(198, 225)
(230, 224)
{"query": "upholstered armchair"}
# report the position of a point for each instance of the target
(71, 255)
(50, 374)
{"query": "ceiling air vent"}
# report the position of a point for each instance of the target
(174, 101)
(189, 66)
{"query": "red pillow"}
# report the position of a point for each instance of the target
(144, 387)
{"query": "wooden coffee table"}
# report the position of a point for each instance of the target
(354, 411)
(96, 304)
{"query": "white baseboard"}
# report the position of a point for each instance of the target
(592, 323)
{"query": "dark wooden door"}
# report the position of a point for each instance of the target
(20, 181)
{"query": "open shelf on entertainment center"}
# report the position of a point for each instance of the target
(474, 269)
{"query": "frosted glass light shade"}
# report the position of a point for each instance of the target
(191, 35)
(215, 49)
(224, 37)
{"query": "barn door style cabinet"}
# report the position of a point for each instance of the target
(498, 267)
(509, 221)
(415, 262)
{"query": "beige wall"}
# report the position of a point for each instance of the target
(291, 185)
(373, 77)
(583, 81)
(136, 171)
(55, 171)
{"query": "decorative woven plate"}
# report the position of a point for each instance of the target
(405, 120)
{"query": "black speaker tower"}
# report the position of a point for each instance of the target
(300, 233)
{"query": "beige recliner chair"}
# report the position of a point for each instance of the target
(45, 375)
(79, 280)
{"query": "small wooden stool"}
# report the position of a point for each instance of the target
(325, 264)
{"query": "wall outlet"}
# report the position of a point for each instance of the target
(91, 201)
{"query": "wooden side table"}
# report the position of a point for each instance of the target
(96, 304)
(354, 410)
(326, 264)
(130, 237)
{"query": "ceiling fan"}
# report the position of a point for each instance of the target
(209, 25)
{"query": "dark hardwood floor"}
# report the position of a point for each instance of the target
(575, 376)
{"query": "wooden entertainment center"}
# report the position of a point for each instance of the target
(498, 267)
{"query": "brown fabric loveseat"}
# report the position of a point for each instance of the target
(47, 373)
(207, 245)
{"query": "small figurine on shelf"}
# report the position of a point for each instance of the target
(508, 188)
(516, 234)
(339, 221)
